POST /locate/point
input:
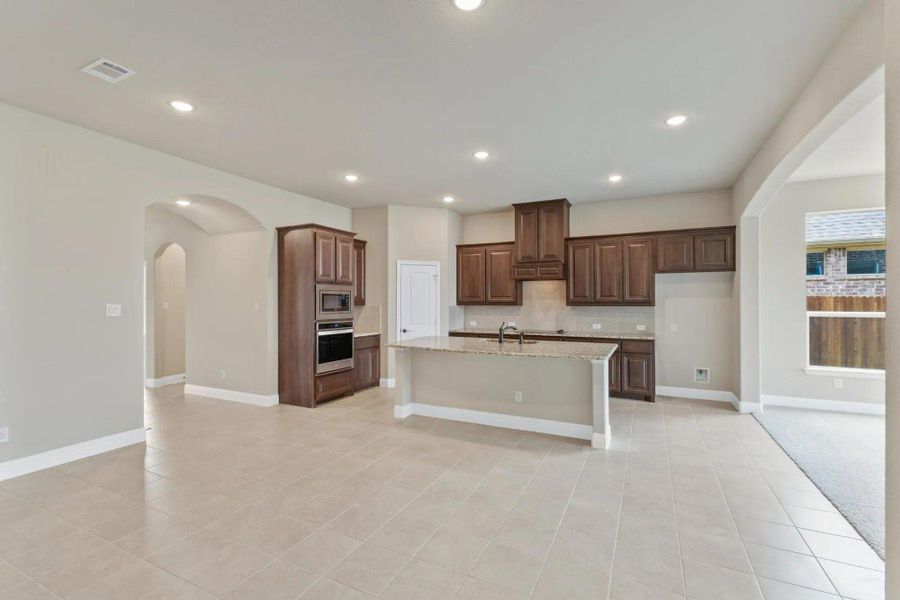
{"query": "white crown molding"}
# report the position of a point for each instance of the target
(231, 395)
(60, 456)
(561, 428)
(164, 381)
(859, 408)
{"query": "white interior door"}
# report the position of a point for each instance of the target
(418, 293)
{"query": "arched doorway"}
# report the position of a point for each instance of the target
(168, 328)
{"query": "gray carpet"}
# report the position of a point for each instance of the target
(843, 455)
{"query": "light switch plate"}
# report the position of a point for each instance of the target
(4, 435)
(597, 325)
(512, 323)
(673, 327)
(642, 328)
(473, 323)
(113, 310)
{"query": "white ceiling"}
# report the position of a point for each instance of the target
(296, 93)
(857, 148)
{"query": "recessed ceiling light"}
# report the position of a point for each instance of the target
(676, 120)
(482, 155)
(614, 178)
(181, 106)
(448, 199)
(351, 178)
(183, 202)
(468, 5)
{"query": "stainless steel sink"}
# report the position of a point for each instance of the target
(511, 342)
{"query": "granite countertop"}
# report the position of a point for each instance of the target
(576, 350)
(370, 333)
(621, 335)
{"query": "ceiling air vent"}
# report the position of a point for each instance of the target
(108, 71)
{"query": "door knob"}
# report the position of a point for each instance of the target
(404, 331)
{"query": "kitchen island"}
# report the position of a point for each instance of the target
(558, 388)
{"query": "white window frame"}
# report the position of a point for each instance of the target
(843, 371)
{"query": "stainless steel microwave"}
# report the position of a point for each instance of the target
(334, 302)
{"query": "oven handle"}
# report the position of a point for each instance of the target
(334, 332)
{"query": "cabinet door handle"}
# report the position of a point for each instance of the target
(404, 331)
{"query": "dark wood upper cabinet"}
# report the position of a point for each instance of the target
(714, 250)
(608, 282)
(343, 260)
(527, 233)
(580, 282)
(470, 275)
(639, 269)
(484, 274)
(540, 248)
(553, 228)
(326, 242)
(501, 288)
(359, 272)
(675, 253)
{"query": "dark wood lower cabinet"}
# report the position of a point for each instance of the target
(367, 361)
(334, 385)
(637, 375)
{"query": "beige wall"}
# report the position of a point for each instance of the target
(849, 79)
(783, 287)
(700, 306)
(416, 233)
(169, 294)
(371, 224)
(72, 231)
(892, 161)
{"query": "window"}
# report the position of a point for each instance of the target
(815, 263)
(864, 262)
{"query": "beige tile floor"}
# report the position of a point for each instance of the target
(343, 502)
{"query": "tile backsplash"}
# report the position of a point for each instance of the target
(367, 319)
(544, 307)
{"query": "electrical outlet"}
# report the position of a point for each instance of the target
(165, 306)
(673, 327)
(838, 384)
(473, 323)
(597, 325)
(701, 375)
(518, 397)
(256, 307)
(222, 373)
(641, 327)
(4, 435)
(113, 310)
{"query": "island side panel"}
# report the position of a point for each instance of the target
(600, 397)
(447, 384)
(403, 365)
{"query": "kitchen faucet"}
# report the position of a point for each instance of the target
(504, 328)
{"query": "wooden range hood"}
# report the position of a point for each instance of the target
(541, 232)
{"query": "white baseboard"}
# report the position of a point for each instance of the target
(696, 394)
(387, 382)
(747, 407)
(561, 428)
(60, 456)
(401, 411)
(163, 381)
(860, 408)
(231, 395)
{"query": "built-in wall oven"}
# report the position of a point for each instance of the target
(334, 302)
(334, 346)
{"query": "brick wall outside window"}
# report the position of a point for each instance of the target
(836, 281)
